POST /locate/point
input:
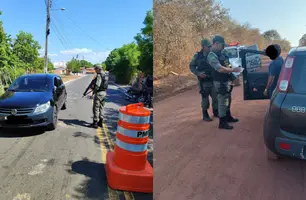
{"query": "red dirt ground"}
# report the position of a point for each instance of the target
(195, 160)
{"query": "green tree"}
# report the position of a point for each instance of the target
(74, 65)
(145, 45)
(112, 59)
(302, 41)
(25, 48)
(271, 35)
(124, 62)
(40, 64)
(85, 63)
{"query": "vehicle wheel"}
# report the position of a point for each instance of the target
(64, 107)
(270, 155)
(53, 125)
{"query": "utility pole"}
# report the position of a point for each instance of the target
(47, 34)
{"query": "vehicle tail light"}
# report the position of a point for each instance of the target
(284, 146)
(285, 75)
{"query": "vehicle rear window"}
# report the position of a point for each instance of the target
(33, 84)
(298, 79)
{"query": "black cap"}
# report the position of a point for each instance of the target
(220, 39)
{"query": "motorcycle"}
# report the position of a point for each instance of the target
(144, 96)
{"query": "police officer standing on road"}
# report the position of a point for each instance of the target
(200, 67)
(99, 97)
(221, 76)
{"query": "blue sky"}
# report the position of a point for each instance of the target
(287, 17)
(104, 25)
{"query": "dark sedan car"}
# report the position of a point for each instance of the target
(284, 128)
(33, 101)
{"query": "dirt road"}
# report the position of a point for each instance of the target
(195, 160)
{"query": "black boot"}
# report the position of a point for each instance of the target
(100, 123)
(230, 118)
(223, 124)
(94, 124)
(215, 113)
(206, 116)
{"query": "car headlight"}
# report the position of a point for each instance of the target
(42, 108)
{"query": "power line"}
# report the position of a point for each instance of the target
(84, 31)
(59, 29)
(58, 35)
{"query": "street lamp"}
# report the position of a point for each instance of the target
(62, 9)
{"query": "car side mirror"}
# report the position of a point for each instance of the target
(273, 51)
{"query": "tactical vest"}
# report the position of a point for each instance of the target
(103, 86)
(203, 66)
(217, 76)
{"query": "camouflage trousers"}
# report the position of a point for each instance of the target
(207, 89)
(224, 96)
(98, 105)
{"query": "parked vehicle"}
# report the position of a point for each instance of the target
(33, 101)
(284, 128)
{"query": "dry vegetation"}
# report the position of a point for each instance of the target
(179, 26)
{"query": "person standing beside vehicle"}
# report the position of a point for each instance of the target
(221, 76)
(100, 88)
(274, 71)
(200, 67)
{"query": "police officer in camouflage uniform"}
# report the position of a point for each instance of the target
(200, 67)
(99, 97)
(222, 76)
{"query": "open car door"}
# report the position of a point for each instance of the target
(255, 73)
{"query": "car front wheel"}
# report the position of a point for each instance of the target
(53, 124)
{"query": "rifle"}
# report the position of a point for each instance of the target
(90, 86)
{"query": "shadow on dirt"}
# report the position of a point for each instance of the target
(26, 132)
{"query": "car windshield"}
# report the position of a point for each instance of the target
(232, 52)
(30, 84)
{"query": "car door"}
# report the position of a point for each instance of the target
(57, 92)
(255, 73)
(61, 91)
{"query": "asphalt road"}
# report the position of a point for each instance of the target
(194, 160)
(67, 163)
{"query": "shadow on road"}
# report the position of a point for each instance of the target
(82, 134)
(71, 122)
(26, 132)
(111, 119)
(95, 185)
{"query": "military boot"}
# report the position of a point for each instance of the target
(230, 118)
(223, 124)
(94, 124)
(206, 116)
(100, 123)
(216, 113)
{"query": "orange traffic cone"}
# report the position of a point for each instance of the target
(127, 167)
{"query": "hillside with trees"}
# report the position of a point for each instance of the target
(179, 26)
